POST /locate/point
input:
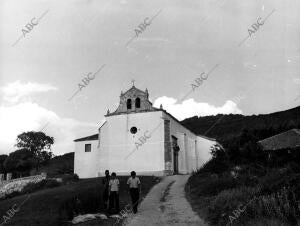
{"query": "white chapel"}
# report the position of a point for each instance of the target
(140, 137)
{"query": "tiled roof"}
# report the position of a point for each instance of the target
(288, 139)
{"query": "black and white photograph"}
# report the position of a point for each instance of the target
(150, 113)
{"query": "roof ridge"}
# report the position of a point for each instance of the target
(295, 130)
(91, 137)
(133, 87)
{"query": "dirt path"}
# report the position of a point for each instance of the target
(166, 205)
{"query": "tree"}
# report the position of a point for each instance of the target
(2, 159)
(220, 161)
(37, 143)
(217, 151)
(247, 136)
(252, 153)
(19, 161)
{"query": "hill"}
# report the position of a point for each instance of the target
(62, 164)
(227, 127)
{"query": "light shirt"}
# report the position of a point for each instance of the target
(114, 184)
(133, 182)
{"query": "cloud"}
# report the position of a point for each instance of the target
(297, 80)
(153, 39)
(32, 117)
(190, 107)
(15, 91)
(22, 115)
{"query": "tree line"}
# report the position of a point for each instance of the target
(33, 150)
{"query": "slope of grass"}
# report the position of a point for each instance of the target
(270, 199)
(55, 206)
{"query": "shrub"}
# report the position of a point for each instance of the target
(248, 175)
(51, 183)
(75, 176)
(280, 205)
(210, 185)
(276, 179)
(295, 167)
(69, 177)
(32, 187)
(215, 165)
(13, 194)
(221, 208)
(81, 203)
(262, 221)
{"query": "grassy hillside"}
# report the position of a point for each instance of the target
(260, 200)
(242, 184)
(231, 126)
(55, 206)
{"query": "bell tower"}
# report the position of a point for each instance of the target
(133, 100)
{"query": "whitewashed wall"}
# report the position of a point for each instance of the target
(117, 143)
(192, 155)
(86, 163)
(203, 149)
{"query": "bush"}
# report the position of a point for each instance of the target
(13, 194)
(32, 187)
(248, 175)
(81, 203)
(69, 177)
(212, 184)
(262, 221)
(276, 179)
(221, 208)
(75, 177)
(280, 205)
(51, 183)
(239, 206)
(214, 165)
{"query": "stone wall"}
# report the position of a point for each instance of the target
(18, 184)
(168, 148)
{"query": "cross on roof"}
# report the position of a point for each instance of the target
(132, 82)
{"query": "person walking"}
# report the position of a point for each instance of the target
(105, 182)
(134, 184)
(114, 193)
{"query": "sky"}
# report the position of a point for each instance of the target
(195, 57)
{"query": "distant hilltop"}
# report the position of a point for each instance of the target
(229, 127)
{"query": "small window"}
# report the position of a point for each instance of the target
(129, 104)
(88, 147)
(137, 102)
(133, 130)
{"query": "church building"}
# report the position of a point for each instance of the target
(140, 137)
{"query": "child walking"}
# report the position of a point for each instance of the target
(114, 193)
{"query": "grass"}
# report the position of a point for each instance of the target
(55, 206)
(269, 199)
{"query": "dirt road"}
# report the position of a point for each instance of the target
(166, 205)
